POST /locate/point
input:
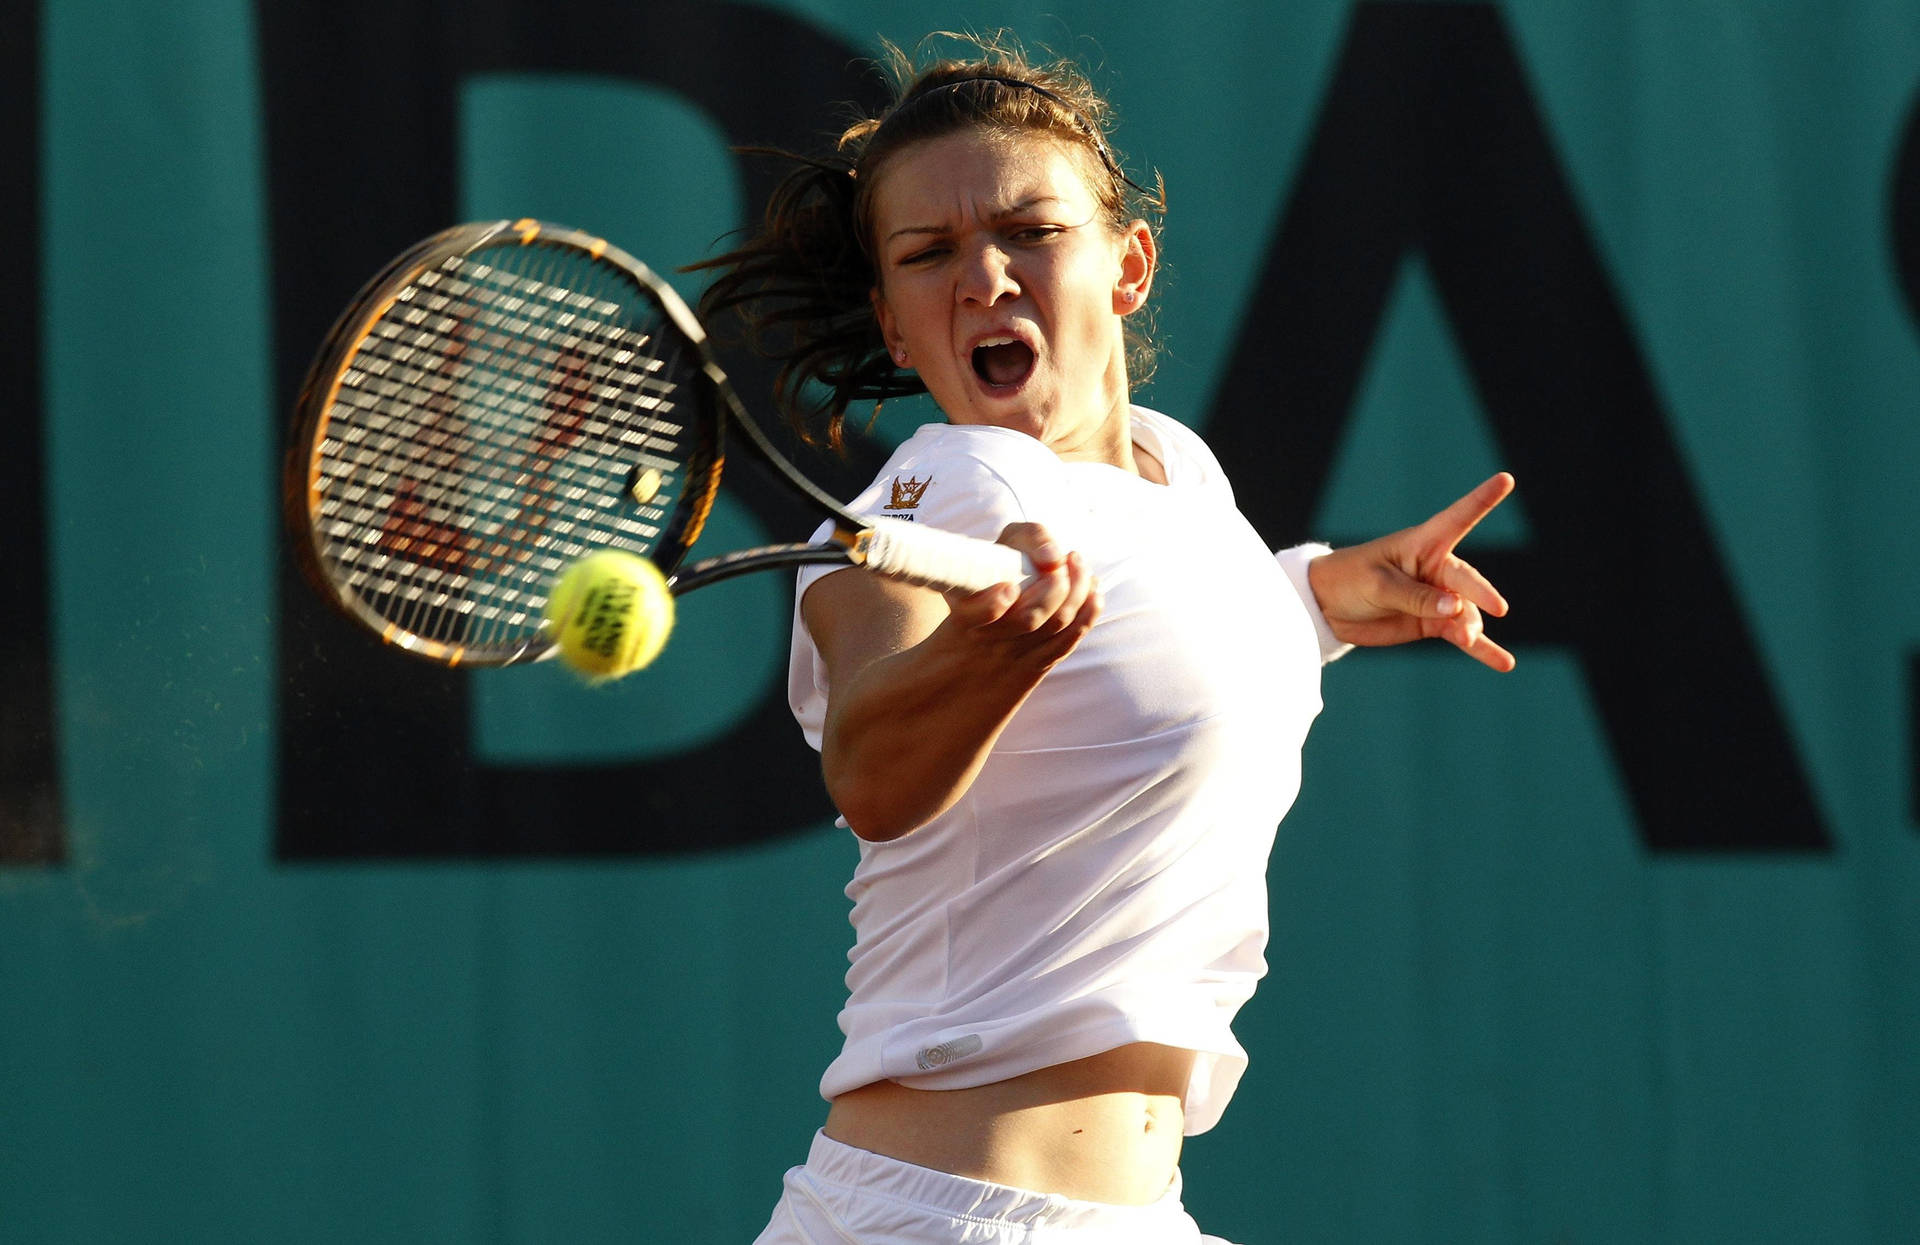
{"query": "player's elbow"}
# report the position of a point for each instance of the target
(887, 786)
(876, 831)
(872, 813)
(879, 802)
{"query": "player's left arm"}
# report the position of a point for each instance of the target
(1410, 585)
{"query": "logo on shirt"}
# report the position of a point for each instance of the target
(907, 493)
(947, 1052)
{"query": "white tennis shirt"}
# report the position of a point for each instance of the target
(1103, 881)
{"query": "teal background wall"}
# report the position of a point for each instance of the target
(1498, 1010)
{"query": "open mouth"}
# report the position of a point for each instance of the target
(1003, 362)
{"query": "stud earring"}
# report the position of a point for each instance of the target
(1128, 298)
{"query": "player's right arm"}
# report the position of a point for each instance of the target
(920, 685)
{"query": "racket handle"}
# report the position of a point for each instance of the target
(937, 559)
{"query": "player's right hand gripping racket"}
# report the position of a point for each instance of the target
(508, 396)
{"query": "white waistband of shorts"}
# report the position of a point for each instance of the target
(833, 1162)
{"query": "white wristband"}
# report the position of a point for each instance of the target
(1294, 562)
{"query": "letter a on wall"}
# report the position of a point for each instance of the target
(1429, 140)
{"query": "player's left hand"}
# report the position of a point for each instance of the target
(1410, 586)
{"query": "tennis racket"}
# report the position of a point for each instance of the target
(506, 397)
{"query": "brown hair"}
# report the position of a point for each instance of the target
(802, 281)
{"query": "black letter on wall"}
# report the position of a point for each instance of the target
(29, 769)
(362, 99)
(1905, 228)
(1430, 140)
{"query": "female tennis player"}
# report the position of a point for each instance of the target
(1065, 791)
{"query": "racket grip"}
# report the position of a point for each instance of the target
(943, 560)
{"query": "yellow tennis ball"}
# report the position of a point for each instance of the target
(610, 613)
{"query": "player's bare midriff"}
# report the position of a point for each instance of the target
(1102, 1129)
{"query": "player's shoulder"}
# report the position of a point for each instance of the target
(1181, 450)
(947, 469)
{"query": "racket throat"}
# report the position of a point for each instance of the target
(858, 542)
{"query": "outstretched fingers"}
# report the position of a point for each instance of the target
(1410, 585)
(1448, 528)
(1462, 595)
(1466, 631)
(1460, 583)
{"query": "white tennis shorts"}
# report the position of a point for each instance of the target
(845, 1196)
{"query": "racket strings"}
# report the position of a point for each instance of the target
(480, 407)
(523, 487)
(503, 447)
